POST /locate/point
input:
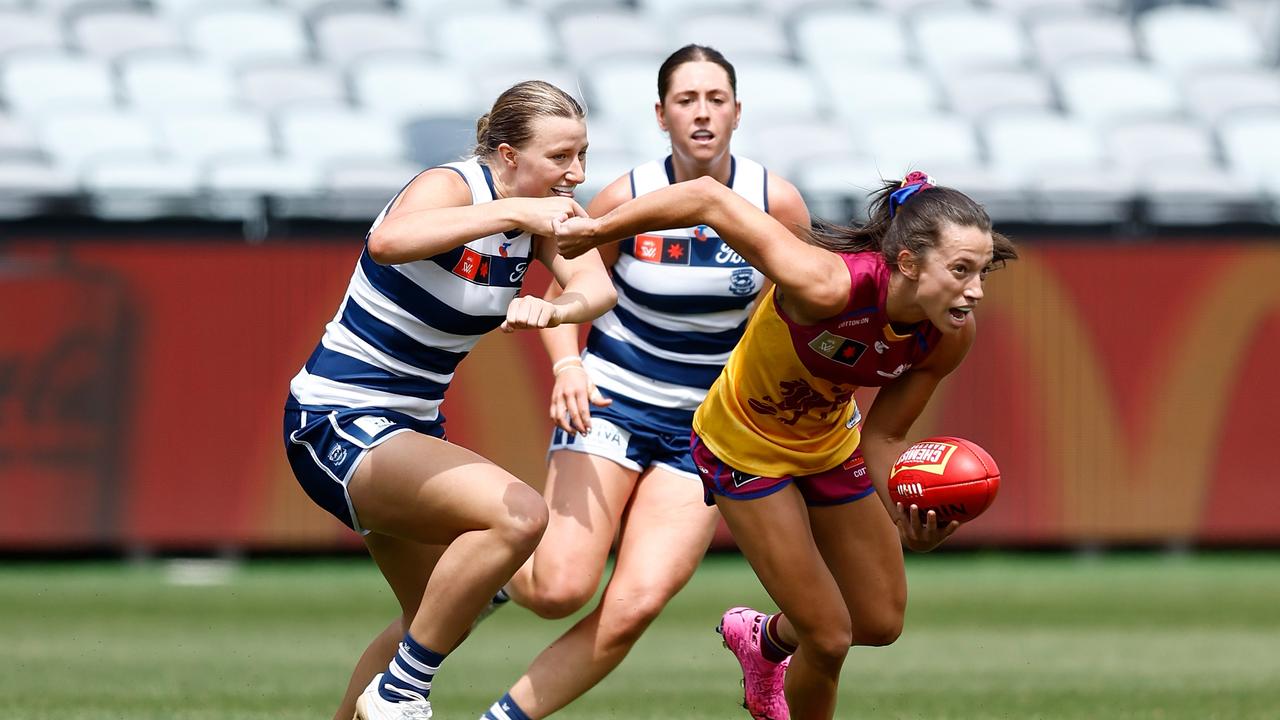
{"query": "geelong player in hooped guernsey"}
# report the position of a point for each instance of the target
(800, 477)
(442, 266)
(619, 464)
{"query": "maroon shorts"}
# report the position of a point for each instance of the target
(841, 484)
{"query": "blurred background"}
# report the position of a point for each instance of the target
(185, 187)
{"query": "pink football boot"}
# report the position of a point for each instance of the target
(761, 679)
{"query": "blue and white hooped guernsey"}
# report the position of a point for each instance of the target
(402, 329)
(684, 297)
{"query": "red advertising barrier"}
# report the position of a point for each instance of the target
(1125, 392)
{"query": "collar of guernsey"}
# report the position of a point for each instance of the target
(784, 404)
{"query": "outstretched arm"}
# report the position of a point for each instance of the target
(434, 214)
(814, 280)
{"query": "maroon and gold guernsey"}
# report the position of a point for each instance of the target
(784, 403)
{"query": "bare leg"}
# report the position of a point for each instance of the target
(586, 496)
(432, 506)
(665, 533)
(861, 547)
(373, 661)
(773, 533)
(417, 561)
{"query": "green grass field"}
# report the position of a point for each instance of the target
(988, 636)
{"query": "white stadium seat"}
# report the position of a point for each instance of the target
(1059, 40)
(402, 86)
(199, 135)
(237, 35)
(982, 92)
(1108, 91)
(920, 142)
(777, 90)
(169, 81)
(1148, 143)
(849, 35)
(72, 138)
(593, 35)
(960, 38)
(785, 146)
(468, 38)
(112, 34)
(18, 139)
(739, 36)
(345, 36)
(1035, 143)
(41, 81)
(141, 188)
(1188, 37)
(1249, 142)
(858, 92)
(1216, 94)
(22, 29)
(324, 134)
(275, 85)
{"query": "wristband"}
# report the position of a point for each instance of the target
(567, 361)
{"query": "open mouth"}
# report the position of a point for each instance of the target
(703, 136)
(563, 190)
(958, 314)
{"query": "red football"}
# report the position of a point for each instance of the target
(952, 477)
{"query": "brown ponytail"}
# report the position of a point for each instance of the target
(914, 225)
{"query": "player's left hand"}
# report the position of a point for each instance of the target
(922, 534)
(527, 312)
(573, 235)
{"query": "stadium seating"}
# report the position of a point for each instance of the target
(1033, 104)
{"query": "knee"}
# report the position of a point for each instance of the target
(878, 632)
(828, 646)
(559, 596)
(624, 620)
(525, 519)
(881, 626)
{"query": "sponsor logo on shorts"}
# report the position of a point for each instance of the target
(337, 454)
(604, 434)
(372, 424)
(741, 478)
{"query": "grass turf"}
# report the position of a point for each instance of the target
(1140, 636)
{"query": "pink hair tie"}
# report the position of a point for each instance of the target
(914, 182)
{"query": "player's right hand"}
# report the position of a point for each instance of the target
(572, 397)
(574, 236)
(537, 214)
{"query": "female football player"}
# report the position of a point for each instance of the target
(441, 266)
(779, 442)
(684, 297)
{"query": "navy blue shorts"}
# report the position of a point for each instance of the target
(325, 446)
(635, 435)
